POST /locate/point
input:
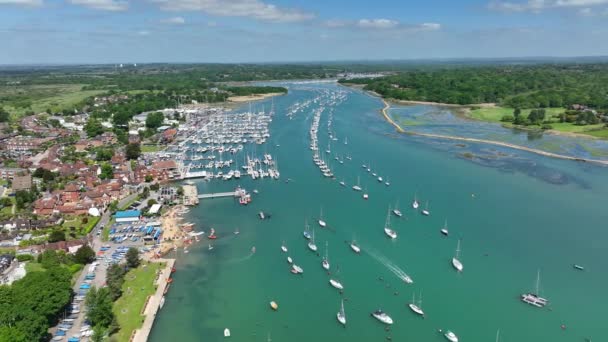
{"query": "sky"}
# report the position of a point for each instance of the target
(227, 31)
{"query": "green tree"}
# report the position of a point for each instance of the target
(93, 127)
(57, 235)
(115, 277)
(4, 115)
(104, 154)
(84, 255)
(152, 202)
(132, 257)
(133, 151)
(154, 120)
(149, 178)
(107, 172)
(99, 307)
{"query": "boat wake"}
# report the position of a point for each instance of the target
(396, 270)
(239, 260)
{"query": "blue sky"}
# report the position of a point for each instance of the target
(110, 31)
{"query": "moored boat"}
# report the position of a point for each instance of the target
(355, 247)
(382, 317)
(336, 284)
(455, 261)
(451, 336)
(342, 315)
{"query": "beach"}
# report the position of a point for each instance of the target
(254, 97)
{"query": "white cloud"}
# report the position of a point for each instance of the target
(238, 8)
(25, 3)
(104, 5)
(377, 23)
(174, 21)
(143, 33)
(382, 24)
(540, 5)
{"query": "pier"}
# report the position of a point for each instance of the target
(237, 193)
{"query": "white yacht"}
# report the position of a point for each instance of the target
(357, 187)
(444, 230)
(415, 203)
(355, 247)
(534, 298)
(283, 247)
(311, 244)
(451, 336)
(341, 315)
(416, 307)
(426, 211)
(387, 229)
(455, 262)
(322, 223)
(325, 262)
(297, 269)
(382, 317)
(336, 284)
(289, 260)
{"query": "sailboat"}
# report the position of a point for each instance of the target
(210, 247)
(345, 140)
(497, 334)
(283, 247)
(415, 203)
(387, 183)
(455, 262)
(444, 230)
(342, 182)
(534, 298)
(387, 225)
(325, 262)
(306, 230)
(417, 308)
(365, 195)
(357, 187)
(396, 211)
(426, 211)
(321, 222)
(311, 243)
(341, 315)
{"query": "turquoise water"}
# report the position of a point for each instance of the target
(528, 213)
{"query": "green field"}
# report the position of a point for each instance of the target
(494, 114)
(139, 284)
(34, 267)
(42, 97)
(151, 148)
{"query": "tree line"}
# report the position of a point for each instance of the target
(536, 86)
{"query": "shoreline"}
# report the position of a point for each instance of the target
(485, 141)
(253, 97)
(153, 303)
(462, 111)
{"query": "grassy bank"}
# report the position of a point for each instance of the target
(139, 284)
(495, 114)
(150, 148)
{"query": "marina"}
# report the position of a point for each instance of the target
(230, 284)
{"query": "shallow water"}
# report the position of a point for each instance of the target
(515, 212)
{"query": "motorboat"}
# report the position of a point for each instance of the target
(297, 268)
(355, 247)
(289, 260)
(226, 332)
(382, 317)
(274, 305)
(451, 336)
(336, 284)
(365, 196)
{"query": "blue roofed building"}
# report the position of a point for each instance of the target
(127, 216)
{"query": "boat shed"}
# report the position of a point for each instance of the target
(154, 209)
(127, 216)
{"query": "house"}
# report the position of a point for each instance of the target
(169, 134)
(22, 182)
(45, 206)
